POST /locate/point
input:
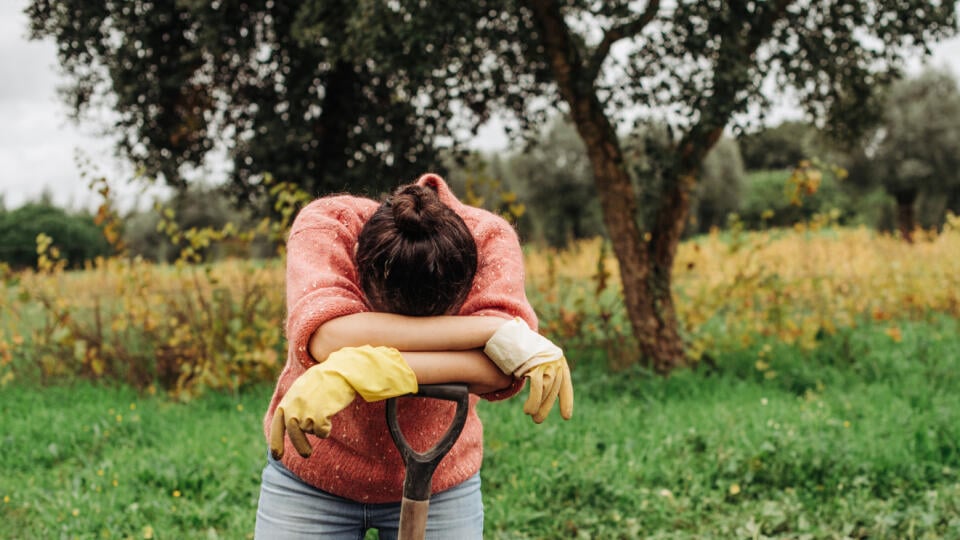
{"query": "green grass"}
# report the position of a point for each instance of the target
(858, 438)
(93, 462)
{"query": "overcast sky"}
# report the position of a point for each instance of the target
(39, 145)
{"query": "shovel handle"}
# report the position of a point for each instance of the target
(420, 466)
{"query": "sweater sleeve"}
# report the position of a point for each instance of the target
(321, 277)
(498, 288)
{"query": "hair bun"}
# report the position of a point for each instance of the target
(416, 210)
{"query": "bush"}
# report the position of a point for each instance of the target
(185, 328)
(76, 236)
(719, 190)
(781, 146)
(768, 201)
(197, 208)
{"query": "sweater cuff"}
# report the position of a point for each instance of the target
(505, 393)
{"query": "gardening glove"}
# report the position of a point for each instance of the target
(375, 373)
(519, 351)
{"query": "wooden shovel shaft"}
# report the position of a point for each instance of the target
(413, 519)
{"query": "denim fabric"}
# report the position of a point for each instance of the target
(289, 509)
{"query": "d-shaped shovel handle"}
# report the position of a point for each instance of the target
(420, 466)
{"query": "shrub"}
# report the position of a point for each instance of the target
(769, 200)
(75, 236)
(185, 327)
(197, 208)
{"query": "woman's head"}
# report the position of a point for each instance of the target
(415, 255)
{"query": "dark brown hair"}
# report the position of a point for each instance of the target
(415, 255)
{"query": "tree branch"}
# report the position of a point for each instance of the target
(763, 31)
(560, 52)
(615, 34)
(714, 117)
(704, 134)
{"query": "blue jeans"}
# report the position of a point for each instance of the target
(290, 509)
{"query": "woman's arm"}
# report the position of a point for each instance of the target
(471, 367)
(404, 333)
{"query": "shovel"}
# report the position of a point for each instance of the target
(420, 466)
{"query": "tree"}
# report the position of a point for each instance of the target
(701, 66)
(552, 176)
(781, 146)
(319, 93)
(75, 236)
(915, 150)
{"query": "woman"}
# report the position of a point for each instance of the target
(386, 297)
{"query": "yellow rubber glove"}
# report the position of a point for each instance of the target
(521, 352)
(375, 373)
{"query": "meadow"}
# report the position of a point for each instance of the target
(823, 402)
(856, 439)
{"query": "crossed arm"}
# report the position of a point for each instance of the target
(326, 310)
(439, 349)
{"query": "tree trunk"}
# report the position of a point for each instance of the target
(646, 258)
(644, 273)
(906, 220)
(330, 127)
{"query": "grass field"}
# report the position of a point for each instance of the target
(856, 438)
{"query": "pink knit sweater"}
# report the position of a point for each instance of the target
(359, 461)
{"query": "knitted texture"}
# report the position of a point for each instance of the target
(359, 461)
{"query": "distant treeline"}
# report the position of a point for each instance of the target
(906, 174)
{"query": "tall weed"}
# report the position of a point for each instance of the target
(733, 287)
(184, 327)
(195, 325)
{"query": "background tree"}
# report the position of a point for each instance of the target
(74, 234)
(319, 93)
(553, 178)
(781, 146)
(195, 207)
(700, 66)
(915, 151)
(719, 191)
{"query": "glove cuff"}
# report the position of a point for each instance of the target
(376, 373)
(515, 348)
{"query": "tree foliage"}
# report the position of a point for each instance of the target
(325, 94)
(915, 150)
(781, 146)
